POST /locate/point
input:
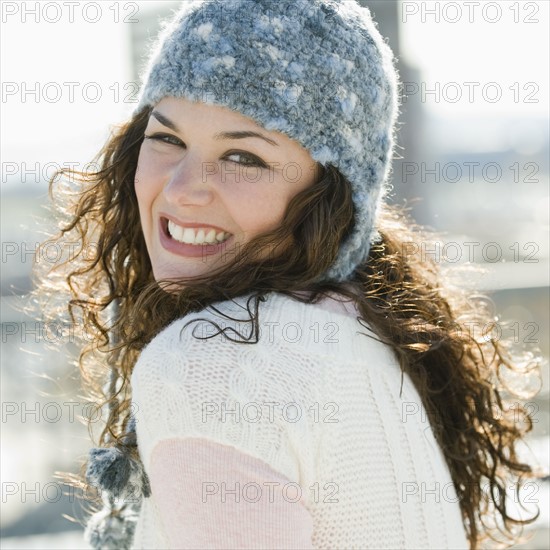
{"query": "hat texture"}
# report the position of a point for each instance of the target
(316, 70)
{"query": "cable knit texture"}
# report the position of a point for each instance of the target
(317, 400)
(316, 70)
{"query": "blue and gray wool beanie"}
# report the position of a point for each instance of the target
(316, 70)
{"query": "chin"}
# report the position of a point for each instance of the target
(175, 272)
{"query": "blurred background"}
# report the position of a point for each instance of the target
(473, 146)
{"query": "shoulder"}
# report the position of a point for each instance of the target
(193, 381)
(270, 337)
(274, 320)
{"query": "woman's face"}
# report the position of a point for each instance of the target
(202, 177)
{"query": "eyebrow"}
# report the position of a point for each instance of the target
(219, 136)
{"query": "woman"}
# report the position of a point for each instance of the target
(243, 204)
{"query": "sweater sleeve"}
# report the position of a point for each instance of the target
(214, 496)
(254, 403)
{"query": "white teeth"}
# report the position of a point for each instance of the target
(192, 236)
(200, 236)
(176, 231)
(188, 236)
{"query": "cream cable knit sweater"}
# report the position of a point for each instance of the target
(311, 412)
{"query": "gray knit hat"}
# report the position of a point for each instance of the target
(316, 70)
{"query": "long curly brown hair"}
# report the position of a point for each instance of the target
(405, 298)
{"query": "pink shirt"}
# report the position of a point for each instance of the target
(214, 496)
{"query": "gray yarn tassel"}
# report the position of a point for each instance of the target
(122, 482)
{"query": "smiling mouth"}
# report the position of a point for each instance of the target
(196, 236)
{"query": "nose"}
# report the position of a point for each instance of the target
(188, 183)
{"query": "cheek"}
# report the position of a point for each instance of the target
(147, 181)
(257, 207)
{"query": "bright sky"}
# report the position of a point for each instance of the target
(48, 57)
(85, 57)
(498, 47)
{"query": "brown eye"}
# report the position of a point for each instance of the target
(165, 138)
(250, 160)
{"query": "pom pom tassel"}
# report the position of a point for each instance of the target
(113, 527)
(123, 483)
(112, 469)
